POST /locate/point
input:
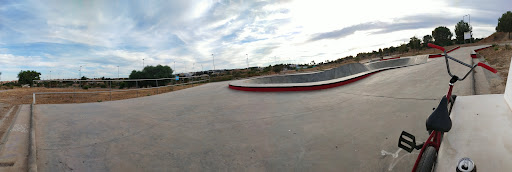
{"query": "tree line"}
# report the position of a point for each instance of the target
(441, 36)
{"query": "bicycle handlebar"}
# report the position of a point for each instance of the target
(487, 67)
(435, 46)
(458, 61)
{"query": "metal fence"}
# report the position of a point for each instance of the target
(166, 84)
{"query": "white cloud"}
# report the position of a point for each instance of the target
(122, 33)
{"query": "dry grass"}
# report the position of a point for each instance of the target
(24, 95)
(499, 58)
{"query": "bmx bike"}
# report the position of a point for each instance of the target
(438, 122)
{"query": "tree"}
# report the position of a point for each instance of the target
(152, 72)
(505, 23)
(460, 28)
(427, 39)
(403, 48)
(277, 68)
(26, 77)
(442, 36)
(415, 43)
(357, 59)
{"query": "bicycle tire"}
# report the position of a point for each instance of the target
(428, 160)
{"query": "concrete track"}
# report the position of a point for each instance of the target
(212, 128)
(339, 76)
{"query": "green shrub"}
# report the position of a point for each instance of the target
(122, 85)
(85, 87)
(103, 86)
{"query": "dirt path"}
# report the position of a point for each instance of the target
(24, 95)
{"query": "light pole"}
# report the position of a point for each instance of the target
(202, 68)
(80, 74)
(247, 55)
(193, 65)
(142, 64)
(117, 72)
(175, 66)
(213, 62)
(50, 75)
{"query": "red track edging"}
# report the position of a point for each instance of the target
(390, 58)
(302, 88)
(441, 55)
(435, 55)
(453, 49)
(477, 50)
(482, 48)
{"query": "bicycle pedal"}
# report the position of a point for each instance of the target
(407, 142)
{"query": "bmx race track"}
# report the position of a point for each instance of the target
(354, 127)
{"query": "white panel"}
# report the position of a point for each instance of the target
(508, 88)
(467, 35)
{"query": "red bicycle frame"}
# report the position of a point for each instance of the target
(435, 137)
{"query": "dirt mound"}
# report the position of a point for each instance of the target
(496, 37)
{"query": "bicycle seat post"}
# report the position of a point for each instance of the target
(452, 82)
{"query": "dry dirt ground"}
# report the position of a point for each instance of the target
(24, 95)
(499, 58)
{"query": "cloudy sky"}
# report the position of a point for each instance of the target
(61, 36)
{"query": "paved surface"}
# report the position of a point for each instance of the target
(212, 128)
(14, 153)
(482, 131)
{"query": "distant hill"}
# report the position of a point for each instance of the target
(496, 37)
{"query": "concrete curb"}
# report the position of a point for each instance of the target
(481, 75)
(14, 154)
(32, 152)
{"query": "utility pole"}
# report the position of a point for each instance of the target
(117, 72)
(80, 74)
(213, 62)
(193, 65)
(202, 68)
(142, 64)
(175, 67)
(247, 60)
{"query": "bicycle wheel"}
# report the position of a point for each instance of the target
(428, 160)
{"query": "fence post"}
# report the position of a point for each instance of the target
(34, 98)
(74, 94)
